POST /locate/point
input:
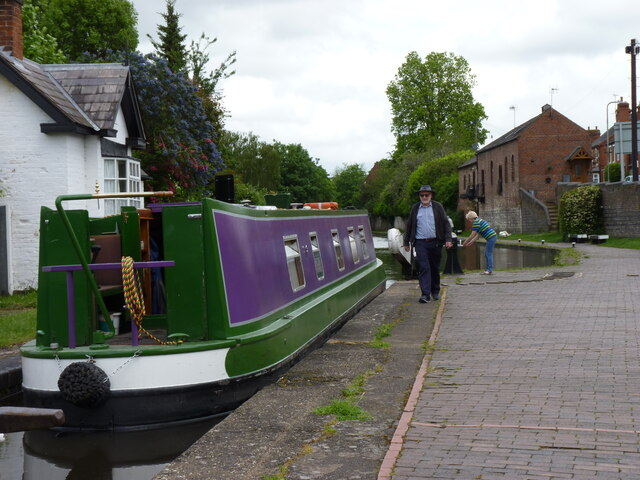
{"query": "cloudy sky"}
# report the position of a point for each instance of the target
(314, 72)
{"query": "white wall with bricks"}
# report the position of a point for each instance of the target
(35, 168)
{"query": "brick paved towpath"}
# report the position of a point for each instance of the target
(531, 378)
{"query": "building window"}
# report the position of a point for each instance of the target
(121, 175)
(506, 171)
(363, 242)
(294, 262)
(338, 249)
(513, 169)
(317, 258)
(491, 173)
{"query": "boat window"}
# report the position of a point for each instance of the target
(338, 249)
(294, 262)
(317, 258)
(363, 242)
(354, 245)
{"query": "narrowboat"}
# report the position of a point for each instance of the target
(181, 311)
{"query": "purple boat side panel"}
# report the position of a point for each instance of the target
(254, 262)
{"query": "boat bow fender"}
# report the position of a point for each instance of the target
(84, 384)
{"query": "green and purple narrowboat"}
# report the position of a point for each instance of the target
(181, 311)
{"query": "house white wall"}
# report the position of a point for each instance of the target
(35, 168)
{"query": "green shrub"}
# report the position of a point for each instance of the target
(612, 172)
(581, 211)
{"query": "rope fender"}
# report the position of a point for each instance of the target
(84, 384)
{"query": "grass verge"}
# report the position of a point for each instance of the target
(17, 318)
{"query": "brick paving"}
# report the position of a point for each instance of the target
(534, 378)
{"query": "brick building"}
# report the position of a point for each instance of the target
(607, 143)
(512, 181)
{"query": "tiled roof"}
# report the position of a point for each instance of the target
(96, 88)
(85, 95)
(509, 136)
(43, 84)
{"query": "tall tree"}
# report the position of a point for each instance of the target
(348, 181)
(302, 176)
(90, 26)
(181, 153)
(171, 44)
(39, 45)
(432, 104)
(256, 162)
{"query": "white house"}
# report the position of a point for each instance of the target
(64, 129)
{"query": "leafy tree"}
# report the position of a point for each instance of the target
(90, 26)
(198, 58)
(348, 181)
(302, 176)
(38, 44)
(244, 191)
(392, 199)
(442, 175)
(171, 44)
(433, 106)
(181, 153)
(256, 162)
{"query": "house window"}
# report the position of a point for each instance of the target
(294, 262)
(499, 179)
(363, 242)
(354, 245)
(491, 173)
(121, 175)
(317, 258)
(338, 249)
(513, 169)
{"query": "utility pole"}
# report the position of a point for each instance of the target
(633, 50)
(513, 107)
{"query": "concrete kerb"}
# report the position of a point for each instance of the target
(276, 430)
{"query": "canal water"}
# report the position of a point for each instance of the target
(46, 455)
(506, 255)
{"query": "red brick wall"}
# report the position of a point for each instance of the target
(11, 26)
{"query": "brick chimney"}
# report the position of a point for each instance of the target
(11, 26)
(623, 112)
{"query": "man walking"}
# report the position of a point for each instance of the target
(428, 229)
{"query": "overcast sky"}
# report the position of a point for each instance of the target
(314, 72)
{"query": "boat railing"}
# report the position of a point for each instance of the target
(84, 263)
(69, 269)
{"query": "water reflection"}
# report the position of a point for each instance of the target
(51, 455)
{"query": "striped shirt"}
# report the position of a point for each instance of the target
(483, 228)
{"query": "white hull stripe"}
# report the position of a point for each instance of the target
(143, 372)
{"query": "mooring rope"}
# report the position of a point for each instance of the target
(134, 299)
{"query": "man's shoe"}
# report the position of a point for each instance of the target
(423, 299)
(435, 296)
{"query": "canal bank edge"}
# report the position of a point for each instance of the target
(276, 430)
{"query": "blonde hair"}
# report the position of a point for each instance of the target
(471, 215)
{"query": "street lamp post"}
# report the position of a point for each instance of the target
(608, 153)
(633, 50)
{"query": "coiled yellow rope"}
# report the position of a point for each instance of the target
(135, 300)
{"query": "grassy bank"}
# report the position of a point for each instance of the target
(17, 318)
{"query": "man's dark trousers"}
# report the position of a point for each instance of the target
(428, 257)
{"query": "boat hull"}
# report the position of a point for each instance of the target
(158, 406)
